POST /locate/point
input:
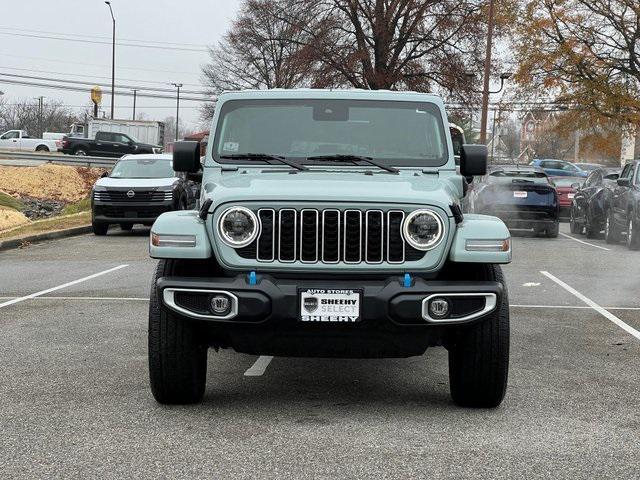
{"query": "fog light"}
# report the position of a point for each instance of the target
(220, 305)
(439, 307)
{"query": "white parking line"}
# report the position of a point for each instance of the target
(578, 307)
(585, 243)
(258, 368)
(55, 297)
(594, 305)
(65, 285)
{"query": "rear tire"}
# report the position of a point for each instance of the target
(42, 148)
(479, 357)
(80, 152)
(552, 232)
(100, 228)
(611, 234)
(633, 233)
(177, 361)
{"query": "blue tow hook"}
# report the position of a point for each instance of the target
(253, 278)
(407, 280)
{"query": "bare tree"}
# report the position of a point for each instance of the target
(382, 44)
(260, 50)
(26, 115)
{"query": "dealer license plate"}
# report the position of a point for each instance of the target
(571, 195)
(330, 305)
(519, 194)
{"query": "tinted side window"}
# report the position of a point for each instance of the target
(626, 171)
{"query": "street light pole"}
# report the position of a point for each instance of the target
(113, 60)
(178, 86)
(487, 71)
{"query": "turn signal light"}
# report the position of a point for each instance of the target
(161, 240)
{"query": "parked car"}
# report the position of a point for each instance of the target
(522, 196)
(591, 201)
(107, 144)
(329, 228)
(566, 188)
(138, 190)
(588, 167)
(20, 140)
(623, 214)
(559, 168)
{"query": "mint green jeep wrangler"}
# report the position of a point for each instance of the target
(329, 225)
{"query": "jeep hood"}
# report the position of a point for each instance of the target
(409, 187)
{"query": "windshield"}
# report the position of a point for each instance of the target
(393, 133)
(143, 168)
(506, 176)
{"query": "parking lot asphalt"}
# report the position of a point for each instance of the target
(75, 401)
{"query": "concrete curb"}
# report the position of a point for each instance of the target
(40, 237)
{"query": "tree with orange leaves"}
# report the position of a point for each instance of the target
(587, 52)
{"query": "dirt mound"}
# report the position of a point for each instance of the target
(10, 218)
(56, 182)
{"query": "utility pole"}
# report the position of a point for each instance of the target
(113, 61)
(135, 92)
(487, 71)
(178, 86)
(40, 109)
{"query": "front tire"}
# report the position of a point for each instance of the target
(610, 231)
(633, 233)
(479, 357)
(100, 228)
(574, 226)
(177, 361)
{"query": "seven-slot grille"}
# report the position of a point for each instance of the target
(330, 236)
(138, 196)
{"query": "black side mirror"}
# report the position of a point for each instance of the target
(576, 186)
(104, 174)
(186, 156)
(624, 182)
(473, 160)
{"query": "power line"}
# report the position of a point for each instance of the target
(49, 37)
(102, 66)
(86, 90)
(93, 76)
(65, 34)
(78, 82)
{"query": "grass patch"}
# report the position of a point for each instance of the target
(10, 202)
(49, 225)
(83, 205)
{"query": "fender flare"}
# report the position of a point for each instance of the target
(482, 228)
(181, 222)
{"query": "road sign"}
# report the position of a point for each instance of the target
(96, 95)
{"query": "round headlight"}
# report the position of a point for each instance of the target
(238, 227)
(423, 229)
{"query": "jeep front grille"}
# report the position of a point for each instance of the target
(330, 236)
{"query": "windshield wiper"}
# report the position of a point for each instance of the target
(353, 159)
(263, 156)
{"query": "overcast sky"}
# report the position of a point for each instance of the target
(189, 25)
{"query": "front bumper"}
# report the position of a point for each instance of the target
(265, 319)
(131, 212)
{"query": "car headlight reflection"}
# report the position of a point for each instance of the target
(238, 227)
(423, 229)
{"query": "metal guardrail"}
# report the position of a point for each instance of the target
(58, 159)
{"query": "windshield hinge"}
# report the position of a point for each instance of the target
(228, 169)
(431, 172)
